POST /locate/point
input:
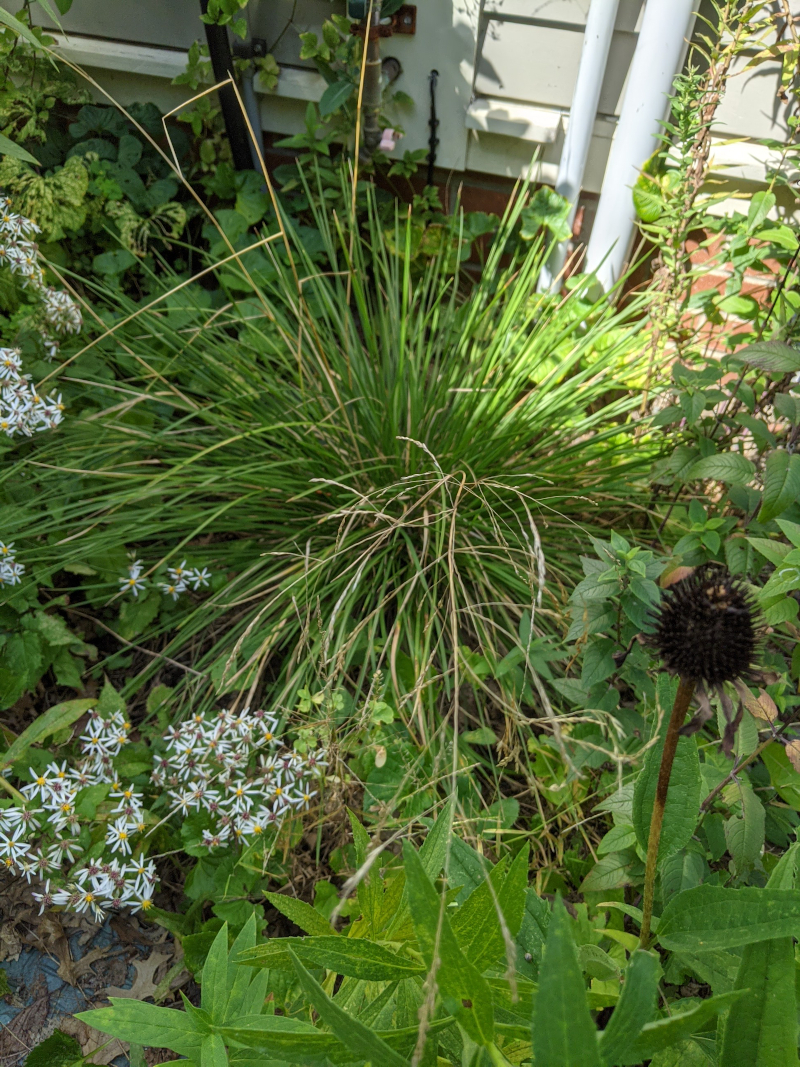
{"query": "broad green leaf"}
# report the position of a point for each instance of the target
(466, 994)
(53, 720)
(712, 917)
(354, 957)
(597, 963)
(634, 1008)
(680, 871)
(775, 356)
(286, 1039)
(369, 888)
(476, 924)
(686, 1054)
(744, 833)
(8, 148)
(301, 914)
(774, 551)
(362, 1041)
(665, 1032)
(212, 1052)
(434, 849)
(335, 96)
(563, 1032)
(683, 798)
(617, 839)
(611, 872)
(730, 467)
(762, 1030)
(239, 978)
(781, 484)
(214, 986)
(300, 1042)
(58, 1050)
(146, 1024)
(782, 774)
(784, 873)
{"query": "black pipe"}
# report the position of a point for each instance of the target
(433, 122)
(219, 51)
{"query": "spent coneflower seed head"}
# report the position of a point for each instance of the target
(706, 627)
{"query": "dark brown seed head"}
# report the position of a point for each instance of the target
(706, 627)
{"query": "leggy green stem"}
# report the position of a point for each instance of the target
(679, 708)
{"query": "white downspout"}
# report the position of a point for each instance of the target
(657, 59)
(585, 99)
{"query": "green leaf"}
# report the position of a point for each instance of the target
(782, 774)
(58, 1050)
(712, 917)
(781, 484)
(146, 1024)
(744, 833)
(53, 720)
(775, 356)
(682, 870)
(726, 467)
(362, 1041)
(476, 923)
(648, 200)
(434, 849)
(18, 27)
(301, 914)
(563, 1032)
(212, 1052)
(784, 873)
(683, 798)
(466, 994)
(354, 957)
(335, 96)
(762, 1031)
(662, 1033)
(8, 148)
(634, 1008)
(611, 872)
(214, 982)
(239, 977)
(598, 661)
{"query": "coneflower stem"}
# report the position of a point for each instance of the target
(679, 708)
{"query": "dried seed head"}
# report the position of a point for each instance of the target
(706, 627)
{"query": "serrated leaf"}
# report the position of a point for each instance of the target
(301, 914)
(781, 484)
(744, 833)
(663, 1033)
(362, 1041)
(683, 797)
(466, 994)
(712, 917)
(354, 957)
(136, 1021)
(634, 1008)
(731, 467)
(775, 356)
(762, 1031)
(611, 872)
(564, 1034)
(782, 774)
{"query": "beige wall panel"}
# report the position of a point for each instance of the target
(540, 64)
(572, 12)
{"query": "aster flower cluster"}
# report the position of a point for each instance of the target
(11, 570)
(42, 838)
(178, 579)
(22, 410)
(231, 766)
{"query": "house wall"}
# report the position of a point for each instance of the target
(507, 69)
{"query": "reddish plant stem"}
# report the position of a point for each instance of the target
(679, 708)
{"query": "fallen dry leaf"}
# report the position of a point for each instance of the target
(676, 575)
(793, 752)
(92, 1040)
(144, 984)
